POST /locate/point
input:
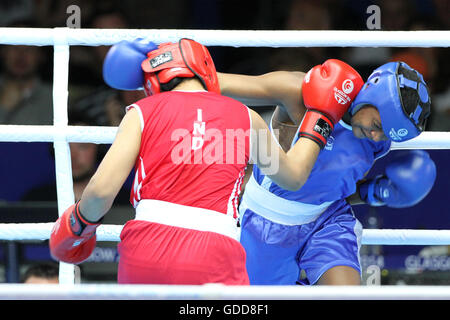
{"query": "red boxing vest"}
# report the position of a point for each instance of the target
(195, 147)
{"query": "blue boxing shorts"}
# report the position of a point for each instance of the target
(277, 253)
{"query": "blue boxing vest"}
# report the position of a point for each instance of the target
(344, 161)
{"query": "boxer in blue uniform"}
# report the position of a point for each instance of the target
(314, 229)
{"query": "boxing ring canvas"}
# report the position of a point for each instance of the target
(61, 134)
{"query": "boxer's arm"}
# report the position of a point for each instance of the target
(279, 88)
(288, 170)
(355, 198)
(73, 238)
(114, 169)
(408, 179)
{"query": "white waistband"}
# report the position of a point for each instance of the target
(178, 215)
(277, 209)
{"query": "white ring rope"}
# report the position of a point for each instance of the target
(29, 133)
(106, 135)
(219, 292)
(235, 38)
(110, 232)
(61, 134)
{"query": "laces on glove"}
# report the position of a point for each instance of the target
(81, 225)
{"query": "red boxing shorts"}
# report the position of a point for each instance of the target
(154, 253)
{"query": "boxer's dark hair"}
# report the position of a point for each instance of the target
(410, 97)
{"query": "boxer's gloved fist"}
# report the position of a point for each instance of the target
(122, 66)
(73, 238)
(408, 179)
(328, 91)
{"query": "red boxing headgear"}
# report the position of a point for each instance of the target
(185, 59)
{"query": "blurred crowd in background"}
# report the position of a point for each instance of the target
(26, 71)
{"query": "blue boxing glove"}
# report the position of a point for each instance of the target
(407, 180)
(122, 66)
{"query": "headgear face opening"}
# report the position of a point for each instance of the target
(185, 59)
(382, 90)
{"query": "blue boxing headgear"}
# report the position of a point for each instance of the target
(383, 91)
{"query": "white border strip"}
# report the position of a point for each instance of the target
(219, 292)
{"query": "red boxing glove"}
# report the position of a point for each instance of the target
(73, 238)
(328, 91)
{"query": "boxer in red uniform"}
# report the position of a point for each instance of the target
(189, 147)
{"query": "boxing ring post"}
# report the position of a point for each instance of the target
(61, 134)
(63, 168)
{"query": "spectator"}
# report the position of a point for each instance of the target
(442, 13)
(427, 62)
(107, 106)
(41, 273)
(301, 15)
(87, 62)
(24, 97)
(11, 11)
(396, 14)
(85, 158)
(103, 103)
(310, 15)
(440, 120)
